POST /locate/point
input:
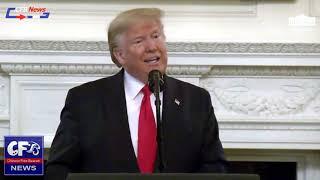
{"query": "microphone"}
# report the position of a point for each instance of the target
(156, 83)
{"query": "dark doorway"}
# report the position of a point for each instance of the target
(266, 170)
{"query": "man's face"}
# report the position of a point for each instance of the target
(141, 49)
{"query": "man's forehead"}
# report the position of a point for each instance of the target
(144, 24)
(143, 27)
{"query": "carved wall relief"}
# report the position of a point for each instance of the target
(265, 97)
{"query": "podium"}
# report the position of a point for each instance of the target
(160, 176)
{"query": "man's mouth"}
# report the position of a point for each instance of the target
(152, 60)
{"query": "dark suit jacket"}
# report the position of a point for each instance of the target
(94, 135)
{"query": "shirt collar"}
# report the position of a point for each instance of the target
(132, 85)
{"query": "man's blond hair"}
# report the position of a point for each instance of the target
(124, 20)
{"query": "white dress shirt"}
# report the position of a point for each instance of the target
(134, 96)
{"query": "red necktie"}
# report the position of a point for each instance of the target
(147, 133)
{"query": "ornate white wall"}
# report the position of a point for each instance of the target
(185, 21)
(259, 60)
(266, 95)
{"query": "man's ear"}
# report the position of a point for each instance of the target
(118, 53)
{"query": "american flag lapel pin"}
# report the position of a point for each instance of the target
(177, 101)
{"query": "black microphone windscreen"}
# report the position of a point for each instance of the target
(154, 77)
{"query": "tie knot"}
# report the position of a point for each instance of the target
(146, 91)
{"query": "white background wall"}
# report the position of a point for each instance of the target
(185, 20)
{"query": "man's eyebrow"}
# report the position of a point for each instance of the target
(136, 38)
(156, 31)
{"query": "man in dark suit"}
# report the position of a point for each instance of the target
(101, 120)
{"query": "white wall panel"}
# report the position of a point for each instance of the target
(4, 97)
(186, 21)
(315, 8)
(36, 103)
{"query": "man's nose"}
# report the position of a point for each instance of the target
(151, 45)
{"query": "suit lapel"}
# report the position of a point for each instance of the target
(171, 97)
(174, 124)
(116, 113)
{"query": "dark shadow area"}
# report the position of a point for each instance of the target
(266, 170)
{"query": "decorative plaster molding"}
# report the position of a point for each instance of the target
(240, 95)
(25, 46)
(254, 104)
(245, 48)
(91, 69)
(52, 46)
(188, 70)
(203, 71)
(58, 69)
(264, 71)
(268, 125)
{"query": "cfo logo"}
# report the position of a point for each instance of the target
(23, 155)
(18, 147)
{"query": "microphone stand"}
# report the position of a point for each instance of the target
(160, 133)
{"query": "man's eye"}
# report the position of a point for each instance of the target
(155, 35)
(137, 41)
